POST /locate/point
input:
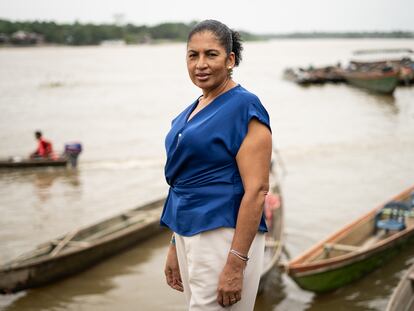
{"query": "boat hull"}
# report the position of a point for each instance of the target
(384, 84)
(350, 270)
(364, 251)
(50, 269)
(32, 163)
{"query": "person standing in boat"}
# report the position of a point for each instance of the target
(218, 162)
(44, 148)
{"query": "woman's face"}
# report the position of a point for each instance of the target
(207, 61)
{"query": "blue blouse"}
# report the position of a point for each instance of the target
(205, 184)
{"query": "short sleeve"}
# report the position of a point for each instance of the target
(251, 110)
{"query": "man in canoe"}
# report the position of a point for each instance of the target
(44, 148)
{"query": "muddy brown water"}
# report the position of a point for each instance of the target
(345, 151)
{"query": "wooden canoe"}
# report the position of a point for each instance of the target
(30, 163)
(275, 236)
(375, 81)
(275, 223)
(82, 248)
(351, 252)
(402, 298)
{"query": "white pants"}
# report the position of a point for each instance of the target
(201, 259)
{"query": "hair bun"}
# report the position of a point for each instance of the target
(237, 47)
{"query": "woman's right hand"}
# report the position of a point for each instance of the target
(172, 270)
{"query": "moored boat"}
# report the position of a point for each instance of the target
(16, 163)
(313, 75)
(402, 298)
(405, 67)
(82, 248)
(380, 70)
(375, 81)
(358, 248)
(275, 236)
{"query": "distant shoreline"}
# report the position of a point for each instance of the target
(166, 42)
(344, 35)
(41, 33)
(43, 45)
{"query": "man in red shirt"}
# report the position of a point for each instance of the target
(44, 147)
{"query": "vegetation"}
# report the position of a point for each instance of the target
(331, 35)
(91, 34)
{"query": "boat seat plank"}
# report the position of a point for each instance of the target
(80, 244)
(122, 225)
(272, 243)
(63, 243)
(374, 239)
(103, 233)
(340, 247)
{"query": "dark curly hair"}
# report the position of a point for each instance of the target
(228, 38)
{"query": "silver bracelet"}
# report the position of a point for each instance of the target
(239, 255)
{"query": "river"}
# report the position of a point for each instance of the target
(344, 150)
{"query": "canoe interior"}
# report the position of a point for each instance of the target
(360, 238)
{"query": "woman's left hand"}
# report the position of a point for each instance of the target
(172, 269)
(230, 282)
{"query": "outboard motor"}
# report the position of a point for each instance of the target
(72, 151)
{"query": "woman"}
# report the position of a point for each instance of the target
(218, 161)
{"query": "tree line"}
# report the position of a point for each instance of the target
(344, 35)
(92, 34)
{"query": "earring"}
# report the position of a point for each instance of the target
(230, 71)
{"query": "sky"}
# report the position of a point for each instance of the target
(257, 16)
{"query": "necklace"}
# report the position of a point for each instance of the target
(221, 91)
(202, 102)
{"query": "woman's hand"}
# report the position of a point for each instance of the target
(231, 282)
(172, 270)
